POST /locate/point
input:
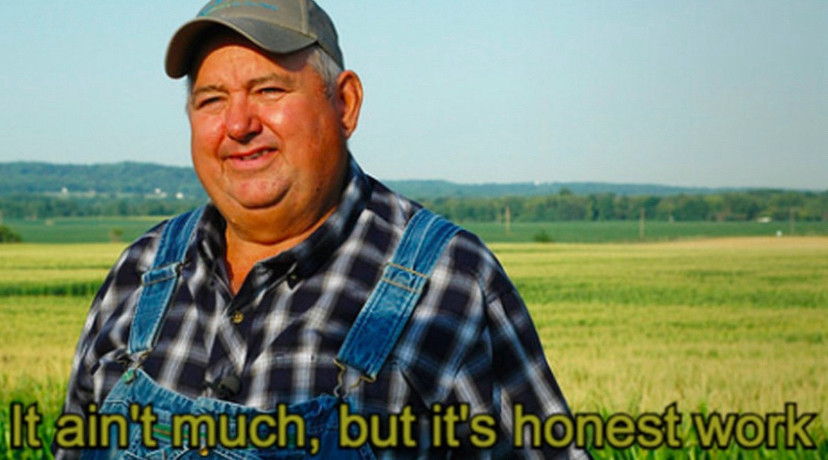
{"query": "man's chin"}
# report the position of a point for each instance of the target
(234, 206)
(262, 204)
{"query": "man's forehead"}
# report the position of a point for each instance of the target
(270, 78)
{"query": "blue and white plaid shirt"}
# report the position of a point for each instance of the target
(470, 339)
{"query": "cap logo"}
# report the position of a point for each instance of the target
(217, 5)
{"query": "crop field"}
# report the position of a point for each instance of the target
(628, 231)
(716, 326)
(82, 229)
(105, 229)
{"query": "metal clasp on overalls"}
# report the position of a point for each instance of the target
(135, 363)
(341, 392)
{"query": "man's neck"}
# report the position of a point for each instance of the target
(245, 248)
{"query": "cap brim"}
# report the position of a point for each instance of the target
(184, 43)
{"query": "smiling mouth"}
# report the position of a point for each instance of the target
(253, 155)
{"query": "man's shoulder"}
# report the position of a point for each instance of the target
(140, 253)
(208, 225)
(466, 254)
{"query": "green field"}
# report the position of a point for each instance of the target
(715, 326)
(100, 230)
(628, 231)
(81, 229)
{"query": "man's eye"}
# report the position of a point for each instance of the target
(271, 90)
(204, 102)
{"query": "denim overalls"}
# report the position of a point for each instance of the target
(369, 342)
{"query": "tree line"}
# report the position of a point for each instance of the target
(566, 206)
(37, 206)
(562, 206)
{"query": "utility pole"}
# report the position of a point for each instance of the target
(641, 223)
(792, 220)
(507, 217)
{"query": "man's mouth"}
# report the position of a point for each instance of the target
(252, 155)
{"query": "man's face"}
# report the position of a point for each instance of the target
(265, 134)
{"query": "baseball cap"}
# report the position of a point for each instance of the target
(277, 26)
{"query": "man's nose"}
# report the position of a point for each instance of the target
(242, 122)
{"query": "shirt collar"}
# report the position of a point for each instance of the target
(310, 254)
(315, 250)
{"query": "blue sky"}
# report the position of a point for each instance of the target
(725, 93)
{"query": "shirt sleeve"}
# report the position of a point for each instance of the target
(98, 358)
(523, 378)
(507, 370)
(477, 348)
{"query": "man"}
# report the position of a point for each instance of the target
(273, 294)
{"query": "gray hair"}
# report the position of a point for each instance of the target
(322, 63)
(326, 67)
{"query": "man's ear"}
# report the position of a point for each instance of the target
(348, 100)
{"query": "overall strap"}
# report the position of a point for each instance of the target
(159, 282)
(383, 317)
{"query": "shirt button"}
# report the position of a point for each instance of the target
(238, 317)
(204, 451)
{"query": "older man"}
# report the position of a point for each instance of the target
(305, 288)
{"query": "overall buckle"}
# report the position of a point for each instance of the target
(341, 389)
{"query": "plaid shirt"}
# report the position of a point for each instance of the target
(470, 339)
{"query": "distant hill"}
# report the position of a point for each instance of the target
(440, 188)
(43, 190)
(122, 179)
(142, 179)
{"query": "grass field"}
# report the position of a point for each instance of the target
(81, 229)
(628, 231)
(100, 230)
(715, 326)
